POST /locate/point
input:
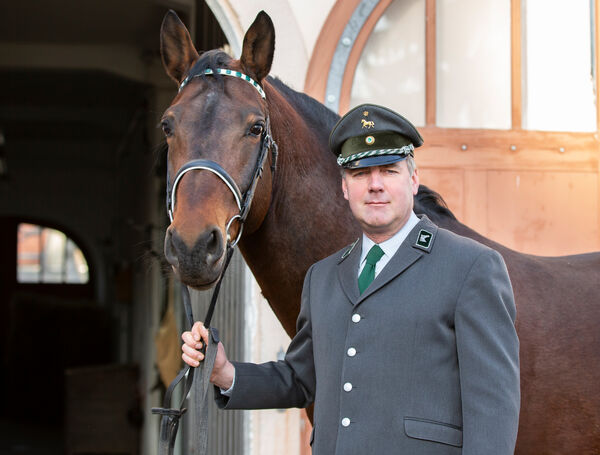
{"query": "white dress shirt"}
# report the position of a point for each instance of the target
(389, 247)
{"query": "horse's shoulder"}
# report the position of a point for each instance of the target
(338, 256)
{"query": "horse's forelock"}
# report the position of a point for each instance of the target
(212, 60)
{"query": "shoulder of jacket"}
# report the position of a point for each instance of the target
(467, 245)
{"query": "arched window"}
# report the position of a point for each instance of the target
(46, 255)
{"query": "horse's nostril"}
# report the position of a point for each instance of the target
(170, 252)
(212, 241)
(214, 245)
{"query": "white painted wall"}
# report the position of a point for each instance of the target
(297, 27)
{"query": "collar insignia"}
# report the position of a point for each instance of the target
(424, 239)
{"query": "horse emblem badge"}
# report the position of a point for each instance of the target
(367, 123)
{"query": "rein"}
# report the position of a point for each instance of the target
(170, 416)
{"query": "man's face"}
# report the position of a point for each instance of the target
(381, 197)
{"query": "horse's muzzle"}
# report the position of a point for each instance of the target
(199, 266)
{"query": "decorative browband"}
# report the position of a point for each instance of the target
(226, 72)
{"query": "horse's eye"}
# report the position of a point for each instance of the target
(166, 128)
(256, 129)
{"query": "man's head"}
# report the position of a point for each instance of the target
(375, 147)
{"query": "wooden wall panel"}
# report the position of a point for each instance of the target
(545, 213)
(476, 201)
(449, 183)
(558, 178)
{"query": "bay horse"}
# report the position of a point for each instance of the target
(299, 216)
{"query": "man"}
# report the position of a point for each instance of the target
(405, 340)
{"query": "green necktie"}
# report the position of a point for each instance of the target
(367, 275)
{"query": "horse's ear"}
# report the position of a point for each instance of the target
(259, 47)
(176, 48)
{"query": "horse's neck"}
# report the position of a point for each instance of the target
(307, 212)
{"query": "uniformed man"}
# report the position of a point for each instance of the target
(405, 340)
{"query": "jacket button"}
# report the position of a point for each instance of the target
(351, 352)
(356, 317)
(347, 387)
(345, 422)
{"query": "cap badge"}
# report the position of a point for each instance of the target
(370, 124)
(369, 140)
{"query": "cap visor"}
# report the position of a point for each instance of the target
(374, 161)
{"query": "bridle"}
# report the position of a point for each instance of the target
(170, 416)
(243, 201)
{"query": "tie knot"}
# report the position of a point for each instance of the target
(374, 254)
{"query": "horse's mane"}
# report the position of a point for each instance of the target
(432, 204)
(311, 110)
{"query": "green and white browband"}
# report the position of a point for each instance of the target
(226, 72)
(406, 150)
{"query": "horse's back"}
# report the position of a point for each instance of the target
(558, 311)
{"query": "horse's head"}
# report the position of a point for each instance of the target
(217, 128)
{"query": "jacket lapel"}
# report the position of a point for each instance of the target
(409, 252)
(348, 271)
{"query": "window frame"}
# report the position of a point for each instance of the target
(470, 148)
(78, 289)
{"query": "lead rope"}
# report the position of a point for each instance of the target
(170, 416)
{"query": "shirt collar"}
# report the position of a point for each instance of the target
(391, 245)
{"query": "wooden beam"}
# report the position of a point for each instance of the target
(508, 150)
(430, 63)
(516, 63)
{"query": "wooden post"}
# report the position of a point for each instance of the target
(516, 62)
(430, 63)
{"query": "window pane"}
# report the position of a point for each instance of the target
(473, 64)
(52, 255)
(558, 89)
(28, 253)
(46, 255)
(391, 69)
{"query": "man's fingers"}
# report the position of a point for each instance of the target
(191, 362)
(199, 331)
(192, 353)
(188, 339)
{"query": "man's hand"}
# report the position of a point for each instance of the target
(223, 371)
